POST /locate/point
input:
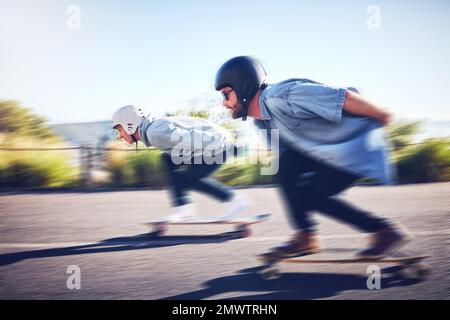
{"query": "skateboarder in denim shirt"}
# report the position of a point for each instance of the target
(193, 149)
(329, 138)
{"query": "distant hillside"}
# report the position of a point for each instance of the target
(96, 132)
(77, 134)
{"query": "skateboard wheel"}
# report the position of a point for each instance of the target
(404, 273)
(421, 271)
(159, 230)
(271, 274)
(243, 231)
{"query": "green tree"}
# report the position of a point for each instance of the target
(20, 121)
(401, 134)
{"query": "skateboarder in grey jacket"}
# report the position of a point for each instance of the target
(194, 148)
(329, 138)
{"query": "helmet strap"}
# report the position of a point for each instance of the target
(244, 112)
(135, 141)
(246, 103)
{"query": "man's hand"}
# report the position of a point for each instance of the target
(356, 104)
(385, 117)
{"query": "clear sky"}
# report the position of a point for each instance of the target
(161, 54)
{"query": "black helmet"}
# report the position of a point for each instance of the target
(245, 75)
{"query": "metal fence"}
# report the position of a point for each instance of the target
(86, 157)
(89, 158)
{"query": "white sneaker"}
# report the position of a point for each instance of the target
(237, 205)
(182, 213)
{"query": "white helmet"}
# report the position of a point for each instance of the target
(129, 117)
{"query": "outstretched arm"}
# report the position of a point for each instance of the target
(356, 104)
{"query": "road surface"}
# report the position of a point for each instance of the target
(102, 235)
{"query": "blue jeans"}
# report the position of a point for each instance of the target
(193, 176)
(309, 185)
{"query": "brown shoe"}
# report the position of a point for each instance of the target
(384, 241)
(302, 243)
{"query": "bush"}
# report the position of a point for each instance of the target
(401, 134)
(427, 162)
(234, 174)
(29, 169)
(143, 169)
(25, 169)
(147, 169)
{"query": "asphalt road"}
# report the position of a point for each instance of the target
(42, 234)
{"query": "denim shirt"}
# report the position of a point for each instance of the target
(310, 119)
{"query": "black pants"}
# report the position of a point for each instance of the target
(309, 185)
(193, 176)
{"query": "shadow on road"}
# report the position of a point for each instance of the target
(291, 286)
(137, 242)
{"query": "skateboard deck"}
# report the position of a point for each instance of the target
(161, 225)
(411, 266)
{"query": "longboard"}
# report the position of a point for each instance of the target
(411, 266)
(242, 229)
